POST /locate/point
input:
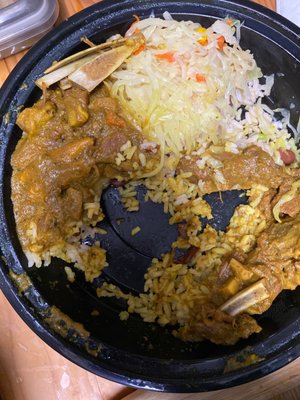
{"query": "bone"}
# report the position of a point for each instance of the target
(131, 41)
(246, 298)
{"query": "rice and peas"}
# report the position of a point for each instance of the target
(192, 92)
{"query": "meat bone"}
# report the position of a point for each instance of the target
(88, 68)
(246, 298)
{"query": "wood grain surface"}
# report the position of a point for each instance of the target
(31, 370)
(282, 384)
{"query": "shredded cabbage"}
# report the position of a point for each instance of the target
(185, 90)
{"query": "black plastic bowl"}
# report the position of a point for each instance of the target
(133, 352)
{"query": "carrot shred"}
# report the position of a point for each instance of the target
(229, 21)
(200, 78)
(221, 42)
(139, 50)
(166, 57)
(137, 19)
(114, 120)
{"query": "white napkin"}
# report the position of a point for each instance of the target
(290, 9)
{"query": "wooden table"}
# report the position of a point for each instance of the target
(31, 370)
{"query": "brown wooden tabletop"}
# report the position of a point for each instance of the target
(31, 370)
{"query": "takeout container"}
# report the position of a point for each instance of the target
(24, 22)
(133, 352)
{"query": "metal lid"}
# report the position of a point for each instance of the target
(24, 22)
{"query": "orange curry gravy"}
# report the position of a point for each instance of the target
(64, 159)
(67, 156)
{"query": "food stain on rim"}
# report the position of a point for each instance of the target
(242, 359)
(56, 320)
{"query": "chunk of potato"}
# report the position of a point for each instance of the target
(32, 119)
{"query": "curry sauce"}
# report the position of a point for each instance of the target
(75, 144)
(64, 160)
